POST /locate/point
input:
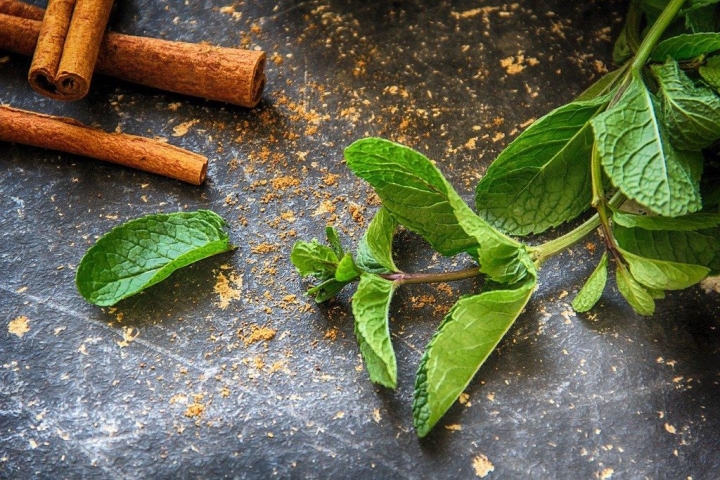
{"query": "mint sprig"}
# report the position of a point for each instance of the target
(647, 132)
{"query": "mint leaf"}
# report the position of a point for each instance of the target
(334, 241)
(636, 295)
(591, 292)
(692, 114)
(657, 238)
(370, 306)
(415, 192)
(374, 252)
(692, 222)
(412, 189)
(542, 179)
(685, 47)
(466, 337)
(314, 259)
(326, 290)
(663, 275)
(640, 161)
(710, 72)
(347, 271)
(142, 252)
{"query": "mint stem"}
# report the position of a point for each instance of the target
(408, 278)
(656, 31)
(549, 249)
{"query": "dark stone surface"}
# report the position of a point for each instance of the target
(565, 395)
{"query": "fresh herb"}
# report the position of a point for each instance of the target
(646, 132)
(145, 251)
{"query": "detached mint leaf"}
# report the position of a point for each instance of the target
(412, 189)
(685, 47)
(542, 179)
(370, 306)
(710, 72)
(636, 295)
(468, 334)
(145, 251)
(314, 259)
(591, 292)
(374, 252)
(692, 114)
(640, 161)
(663, 275)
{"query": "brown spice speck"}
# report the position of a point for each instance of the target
(19, 326)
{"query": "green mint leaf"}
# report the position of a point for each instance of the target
(142, 252)
(347, 271)
(680, 245)
(700, 16)
(374, 252)
(370, 306)
(591, 292)
(663, 275)
(685, 47)
(692, 222)
(692, 114)
(314, 259)
(638, 159)
(418, 196)
(636, 295)
(466, 337)
(334, 241)
(542, 179)
(326, 290)
(412, 189)
(710, 72)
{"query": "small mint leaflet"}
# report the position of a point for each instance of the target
(591, 292)
(142, 252)
(314, 259)
(374, 251)
(636, 295)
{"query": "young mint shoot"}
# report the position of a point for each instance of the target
(645, 132)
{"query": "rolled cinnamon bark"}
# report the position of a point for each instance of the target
(229, 75)
(68, 135)
(67, 47)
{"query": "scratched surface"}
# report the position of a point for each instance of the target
(603, 395)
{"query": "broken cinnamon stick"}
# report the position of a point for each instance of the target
(67, 47)
(222, 74)
(68, 135)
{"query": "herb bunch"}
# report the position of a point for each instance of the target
(647, 132)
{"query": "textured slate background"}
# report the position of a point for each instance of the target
(587, 396)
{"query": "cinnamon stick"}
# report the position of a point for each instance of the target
(68, 135)
(229, 75)
(67, 47)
